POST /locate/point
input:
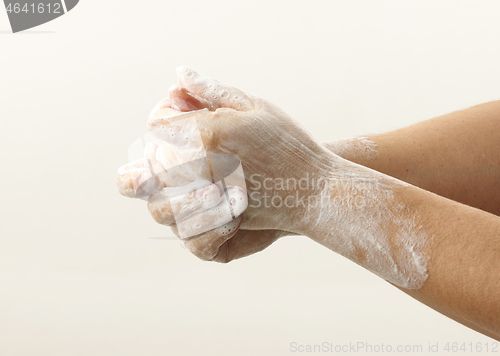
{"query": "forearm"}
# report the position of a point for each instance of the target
(456, 155)
(463, 263)
(441, 252)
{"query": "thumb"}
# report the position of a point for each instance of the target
(219, 95)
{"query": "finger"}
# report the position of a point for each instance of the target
(143, 177)
(163, 109)
(229, 207)
(237, 199)
(135, 180)
(194, 204)
(150, 153)
(220, 95)
(188, 136)
(183, 100)
(245, 243)
(206, 245)
(197, 201)
(160, 209)
(183, 167)
(188, 200)
(182, 144)
(163, 114)
(166, 211)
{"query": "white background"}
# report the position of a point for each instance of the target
(79, 272)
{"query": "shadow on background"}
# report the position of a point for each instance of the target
(26, 32)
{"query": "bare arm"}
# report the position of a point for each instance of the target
(456, 155)
(462, 249)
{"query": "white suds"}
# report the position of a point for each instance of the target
(372, 228)
(354, 147)
(376, 232)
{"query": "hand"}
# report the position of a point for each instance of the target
(271, 146)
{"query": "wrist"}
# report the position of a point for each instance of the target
(313, 196)
(355, 149)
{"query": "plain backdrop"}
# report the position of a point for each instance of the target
(85, 271)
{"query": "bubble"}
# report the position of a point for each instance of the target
(232, 201)
(224, 94)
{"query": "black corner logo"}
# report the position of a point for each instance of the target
(28, 14)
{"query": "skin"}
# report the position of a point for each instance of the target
(454, 198)
(455, 156)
